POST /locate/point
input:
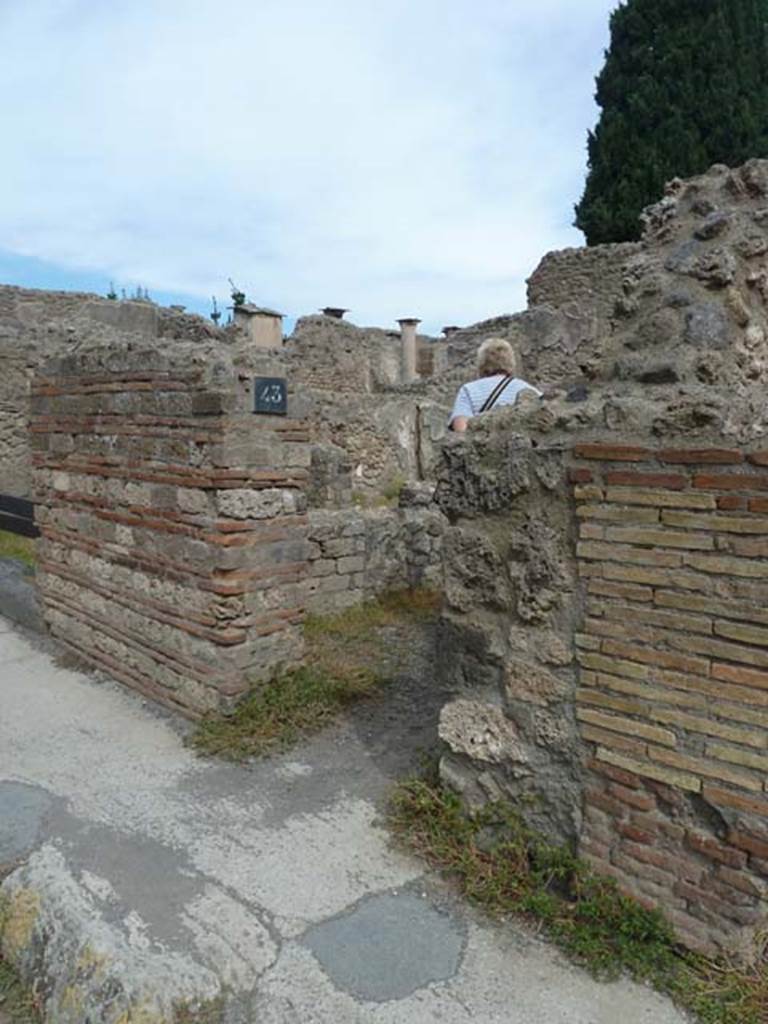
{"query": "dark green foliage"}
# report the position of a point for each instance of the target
(684, 86)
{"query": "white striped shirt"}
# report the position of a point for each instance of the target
(473, 396)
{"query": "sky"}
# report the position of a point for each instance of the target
(407, 158)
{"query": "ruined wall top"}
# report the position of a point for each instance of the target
(665, 337)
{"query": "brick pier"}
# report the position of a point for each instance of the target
(173, 525)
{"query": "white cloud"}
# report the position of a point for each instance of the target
(416, 157)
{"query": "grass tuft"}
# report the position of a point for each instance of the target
(506, 868)
(274, 716)
(22, 548)
(360, 621)
(345, 662)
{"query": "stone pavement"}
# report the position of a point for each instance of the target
(149, 878)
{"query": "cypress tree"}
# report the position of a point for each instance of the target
(684, 86)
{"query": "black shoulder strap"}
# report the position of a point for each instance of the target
(496, 394)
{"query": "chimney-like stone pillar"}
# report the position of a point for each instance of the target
(263, 326)
(408, 327)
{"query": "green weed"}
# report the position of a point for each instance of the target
(505, 868)
(22, 548)
(275, 715)
(360, 621)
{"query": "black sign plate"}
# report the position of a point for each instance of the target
(270, 396)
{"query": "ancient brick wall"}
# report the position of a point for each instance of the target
(673, 696)
(36, 326)
(173, 527)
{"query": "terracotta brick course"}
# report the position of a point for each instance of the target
(739, 801)
(664, 659)
(699, 898)
(591, 531)
(616, 552)
(612, 452)
(694, 456)
(658, 617)
(636, 834)
(578, 475)
(709, 605)
(636, 868)
(733, 503)
(599, 799)
(647, 769)
(730, 482)
(588, 492)
(712, 848)
(626, 726)
(740, 675)
(626, 478)
(618, 513)
(741, 881)
(671, 702)
(625, 780)
(659, 577)
(724, 523)
(604, 738)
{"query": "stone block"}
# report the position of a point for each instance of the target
(484, 733)
(259, 504)
(350, 564)
(323, 567)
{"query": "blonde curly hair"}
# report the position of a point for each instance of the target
(496, 355)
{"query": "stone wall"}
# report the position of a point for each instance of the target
(387, 430)
(571, 279)
(356, 555)
(15, 463)
(173, 526)
(511, 611)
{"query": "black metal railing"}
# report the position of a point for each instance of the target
(17, 515)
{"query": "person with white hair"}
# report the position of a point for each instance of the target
(498, 366)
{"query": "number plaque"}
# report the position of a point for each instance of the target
(270, 396)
